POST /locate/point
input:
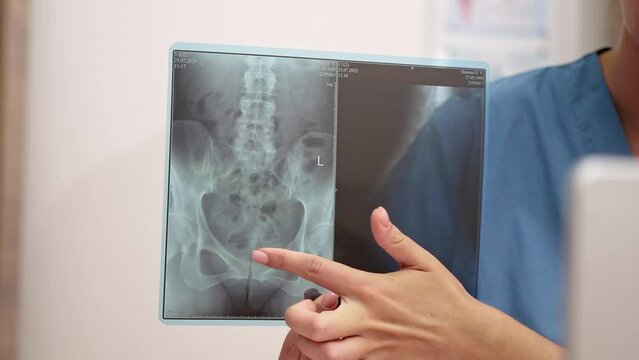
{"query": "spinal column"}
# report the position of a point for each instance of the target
(257, 209)
(249, 206)
(254, 147)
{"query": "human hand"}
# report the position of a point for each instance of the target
(419, 312)
(328, 301)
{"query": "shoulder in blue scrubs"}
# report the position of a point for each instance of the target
(540, 124)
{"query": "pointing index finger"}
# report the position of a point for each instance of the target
(332, 275)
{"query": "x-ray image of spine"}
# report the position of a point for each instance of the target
(251, 166)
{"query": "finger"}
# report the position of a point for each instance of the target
(327, 302)
(354, 347)
(326, 273)
(407, 252)
(304, 319)
(289, 349)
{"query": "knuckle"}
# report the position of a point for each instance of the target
(396, 237)
(453, 286)
(367, 290)
(290, 315)
(314, 267)
(385, 289)
(318, 330)
(372, 286)
(280, 260)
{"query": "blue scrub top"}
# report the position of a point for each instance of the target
(539, 124)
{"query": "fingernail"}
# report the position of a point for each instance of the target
(259, 257)
(384, 219)
(329, 301)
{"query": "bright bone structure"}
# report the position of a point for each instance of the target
(264, 188)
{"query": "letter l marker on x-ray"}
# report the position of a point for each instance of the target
(319, 163)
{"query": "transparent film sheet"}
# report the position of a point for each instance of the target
(293, 150)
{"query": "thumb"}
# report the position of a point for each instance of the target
(407, 252)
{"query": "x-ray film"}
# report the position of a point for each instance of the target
(294, 149)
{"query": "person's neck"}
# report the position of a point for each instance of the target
(621, 71)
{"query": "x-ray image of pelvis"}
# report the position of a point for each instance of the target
(251, 165)
(273, 151)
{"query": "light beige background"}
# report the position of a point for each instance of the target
(95, 161)
(95, 132)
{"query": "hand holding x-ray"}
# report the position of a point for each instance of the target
(421, 311)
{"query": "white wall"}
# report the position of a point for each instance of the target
(95, 155)
(588, 25)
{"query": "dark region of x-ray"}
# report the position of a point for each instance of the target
(421, 159)
(290, 152)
